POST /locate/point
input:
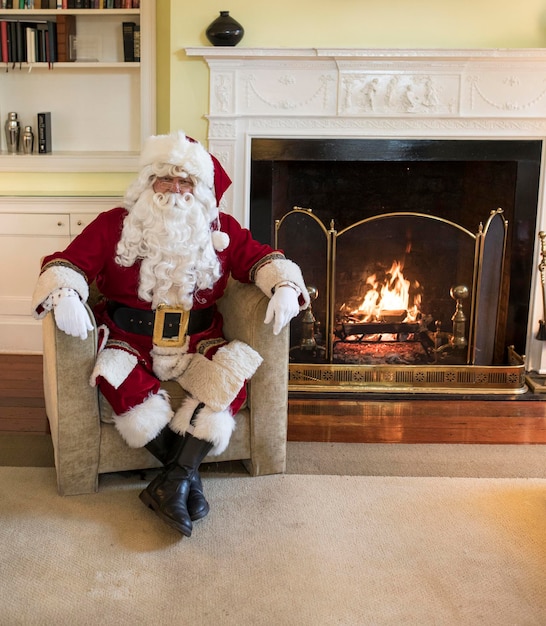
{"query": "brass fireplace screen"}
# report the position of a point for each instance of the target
(400, 302)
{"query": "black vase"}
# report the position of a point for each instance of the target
(225, 31)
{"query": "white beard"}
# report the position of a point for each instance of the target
(171, 235)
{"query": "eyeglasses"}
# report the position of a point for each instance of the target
(165, 184)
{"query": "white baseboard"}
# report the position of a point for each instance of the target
(20, 335)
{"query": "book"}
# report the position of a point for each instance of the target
(41, 50)
(51, 43)
(44, 132)
(20, 46)
(12, 42)
(4, 43)
(30, 34)
(128, 41)
(136, 46)
(66, 29)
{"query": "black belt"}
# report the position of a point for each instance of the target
(142, 322)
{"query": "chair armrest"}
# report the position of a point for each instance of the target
(243, 308)
(72, 406)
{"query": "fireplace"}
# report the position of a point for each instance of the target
(412, 139)
(449, 223)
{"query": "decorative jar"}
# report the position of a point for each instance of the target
(225, 31)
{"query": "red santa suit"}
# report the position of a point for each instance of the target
(129, 366)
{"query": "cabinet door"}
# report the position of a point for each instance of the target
(24, 240)
(78, 221)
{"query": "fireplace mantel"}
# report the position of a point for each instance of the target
(422, 94)
(227, 52)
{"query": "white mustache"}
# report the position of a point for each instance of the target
(170, 200)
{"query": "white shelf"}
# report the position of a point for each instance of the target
(70, 162)
(72, 65)
(53, 12)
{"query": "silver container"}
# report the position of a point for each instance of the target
(28, 140)
(13, 133)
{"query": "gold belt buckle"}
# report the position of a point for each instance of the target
(159, 338)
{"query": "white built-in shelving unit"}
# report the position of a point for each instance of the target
(101, 109)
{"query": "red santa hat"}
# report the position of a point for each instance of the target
(188, 154)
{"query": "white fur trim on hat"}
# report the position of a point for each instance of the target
(177, 149)
(145, 421)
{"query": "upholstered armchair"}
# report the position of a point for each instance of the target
(86, 445)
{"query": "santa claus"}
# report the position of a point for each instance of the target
(161, 262)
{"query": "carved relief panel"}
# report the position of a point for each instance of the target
(398, 93)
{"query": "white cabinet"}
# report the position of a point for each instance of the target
(101, 110)
(30, 228)
(78, 221)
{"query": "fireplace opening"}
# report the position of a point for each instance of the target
(401, 287)
(417, 282)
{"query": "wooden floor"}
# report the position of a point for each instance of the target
(22, 406)
(366, 420)
(418, 421)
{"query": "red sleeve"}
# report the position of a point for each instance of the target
(244, 255)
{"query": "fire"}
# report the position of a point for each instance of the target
(389, 297)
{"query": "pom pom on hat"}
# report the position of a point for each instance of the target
(188, 154)
(220, 240)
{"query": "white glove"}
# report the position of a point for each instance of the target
(71, 315)
(282, 307)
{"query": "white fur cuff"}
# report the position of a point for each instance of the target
(113, 365)
(169, 363)
(145, 421)
(217, 382)
(212, 426)
(53, 278)
(215, 427)
(182, 418)
(239, 358)
(210, 383)
(279, 270)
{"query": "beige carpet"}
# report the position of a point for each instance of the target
(353, 459)
(280, 550)
(399, 459)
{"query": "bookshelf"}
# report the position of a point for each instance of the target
(102, 107)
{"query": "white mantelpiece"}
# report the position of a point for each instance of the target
(374, 93)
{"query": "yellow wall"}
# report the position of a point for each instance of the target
(342, 23)
(183, 82)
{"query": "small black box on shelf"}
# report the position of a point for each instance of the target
(44, 133)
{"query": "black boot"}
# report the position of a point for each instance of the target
(161, 447)
(168, 494)
(164, 447)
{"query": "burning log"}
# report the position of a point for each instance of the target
(345, 330)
